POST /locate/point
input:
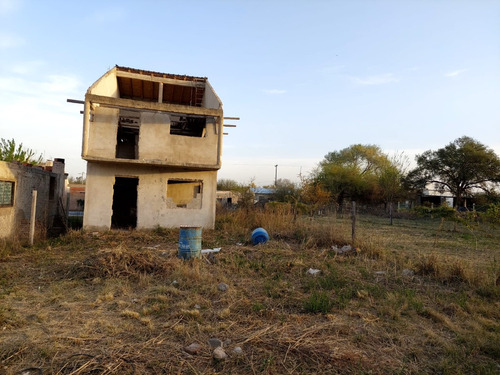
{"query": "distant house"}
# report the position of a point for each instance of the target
(76, 197)
(227, 198)
(262, 195)
(153, 143)
(432, 195)
(17, 182)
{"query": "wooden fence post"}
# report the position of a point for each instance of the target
(33, 217)
(353, 221)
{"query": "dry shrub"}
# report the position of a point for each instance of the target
(428, 265)
(457, 272)
(123, 262)
(9, 247)
(281, 225)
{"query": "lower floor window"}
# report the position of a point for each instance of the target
(184, 193)
(6, 193)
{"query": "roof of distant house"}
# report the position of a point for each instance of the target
(261, 190)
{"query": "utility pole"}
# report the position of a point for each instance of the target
(275, 175)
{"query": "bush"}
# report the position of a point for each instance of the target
(440, 211)
(492, 214)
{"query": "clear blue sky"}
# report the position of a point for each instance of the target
(306, 77)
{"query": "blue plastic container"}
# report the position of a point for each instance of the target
(189, 242)
(259, 235)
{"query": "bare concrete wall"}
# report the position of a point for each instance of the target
(102, 132)
(153, 207)
(156, 144)
(106, 85)
(14, 220)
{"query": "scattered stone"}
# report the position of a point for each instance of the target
(197, 306)
(222, 287)
(219, 354)
(239, 244)
(346, 250)
(408, 273)
(215, 342)
(163, 254)
(175, 283)
(313, 271)
(135, 300)
(193, 349)
(227, 342)
(237, 351)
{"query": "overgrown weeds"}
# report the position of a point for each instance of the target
(123, 303)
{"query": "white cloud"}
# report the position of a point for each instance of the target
(455, 73)
(274, 91)
(27, 67)
(10, 40)
(380, 79)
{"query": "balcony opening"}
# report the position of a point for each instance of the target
(188, 126)
(184, 194)
(127, 138)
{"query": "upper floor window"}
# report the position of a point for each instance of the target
(6, 193)
(188, 126)
(127, 137)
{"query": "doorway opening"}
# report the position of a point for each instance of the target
(125, 202)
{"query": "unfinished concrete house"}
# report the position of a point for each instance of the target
(153, 144)
(17, 182)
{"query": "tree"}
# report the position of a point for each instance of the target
(314, 195)
(461, 166)
(353, 172)
(226, 184)
(9, 151)
(286, 191)
(392, 180)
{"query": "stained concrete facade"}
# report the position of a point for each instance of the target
(17, 182)
(153, 144)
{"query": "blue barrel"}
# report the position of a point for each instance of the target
(189, 242)
(259, 235)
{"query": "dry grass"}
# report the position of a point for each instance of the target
(123, 303)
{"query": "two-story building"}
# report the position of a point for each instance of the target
(153, 144)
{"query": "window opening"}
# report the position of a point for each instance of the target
(188, 126)
(127, 139)
(52, 187)
(6, 193)
(184, 194)
(125, 202)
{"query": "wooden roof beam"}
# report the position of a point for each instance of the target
(107, 101)
(170, 81)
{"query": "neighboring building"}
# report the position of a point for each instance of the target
(153, 143)
(76, 201)
(227, 198)
(17, 182)
(262, 195)
(433, 195)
